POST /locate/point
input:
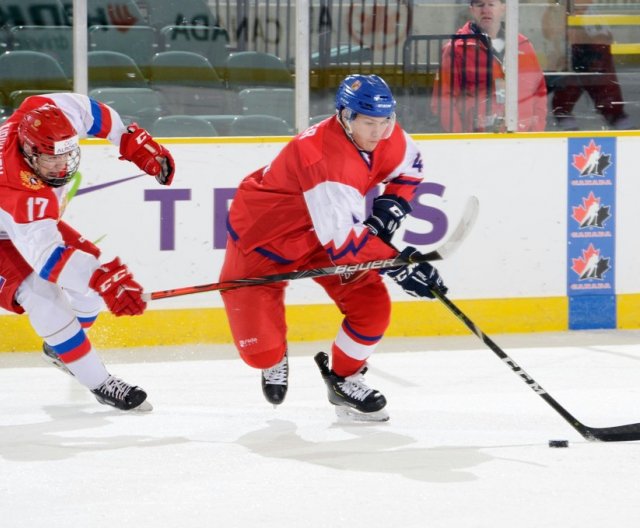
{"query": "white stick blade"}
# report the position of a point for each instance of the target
(469, 216)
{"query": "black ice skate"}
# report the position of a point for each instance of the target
(351, 396)
(50, 356)
(121, 395)
(275, 381)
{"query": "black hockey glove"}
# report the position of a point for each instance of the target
(387, 213)
(417, 279)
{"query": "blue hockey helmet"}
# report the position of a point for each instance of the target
(365, 94)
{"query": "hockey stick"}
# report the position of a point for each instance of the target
(620, 433)
(459, 234)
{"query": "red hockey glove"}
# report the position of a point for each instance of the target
(74, 239)
(115, 284)
(138, 146)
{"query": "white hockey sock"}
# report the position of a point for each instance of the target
(89, 370)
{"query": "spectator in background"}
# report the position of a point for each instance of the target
(461, 95)
(590, 54)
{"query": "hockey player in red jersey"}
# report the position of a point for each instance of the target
(47, 269)
(307, 210)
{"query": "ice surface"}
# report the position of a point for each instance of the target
(466, 445)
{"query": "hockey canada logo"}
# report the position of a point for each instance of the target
(591, 213)
(592, 162)
(591, 265)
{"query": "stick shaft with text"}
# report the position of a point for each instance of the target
(467, 221)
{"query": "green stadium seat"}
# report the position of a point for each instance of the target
(115, 70)
(259, 125)
(31, 70)
(182, 126)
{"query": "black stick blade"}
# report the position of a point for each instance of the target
(619, 433)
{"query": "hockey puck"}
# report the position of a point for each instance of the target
(558, 443)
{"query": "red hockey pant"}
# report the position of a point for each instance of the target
(256, 314)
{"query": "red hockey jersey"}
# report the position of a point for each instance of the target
(313, 196)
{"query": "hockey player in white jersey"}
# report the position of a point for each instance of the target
(47, 269)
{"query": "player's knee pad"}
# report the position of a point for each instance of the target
(45, 304)
(262, 359)
(86, 306)
(368, 309)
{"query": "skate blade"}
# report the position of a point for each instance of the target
(57, 363)
(348, 414)
(145, 406)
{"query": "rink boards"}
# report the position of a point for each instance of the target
(554, 246)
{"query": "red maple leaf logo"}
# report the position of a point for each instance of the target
(592, 213)
(589, 204)
(590, 265)
(592, 162)
(590, 156)
(589, 258)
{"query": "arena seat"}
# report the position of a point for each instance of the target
(254, 69)
(209, 41)
(114, 69)
(259, 125)
(31, 70)
(182, 126)
(138, 42)
(56, 41)
(279, 102)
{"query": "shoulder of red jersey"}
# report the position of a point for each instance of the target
(395, 146)
(316, 142)
(34, 201)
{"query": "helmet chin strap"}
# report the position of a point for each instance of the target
(29, 158)
(344, 123)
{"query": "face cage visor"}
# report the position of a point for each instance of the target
(55, 170)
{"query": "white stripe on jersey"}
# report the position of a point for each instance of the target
(333, 206)
(77, 108)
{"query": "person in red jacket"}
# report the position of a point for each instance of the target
(307, 209)
(47, 269)
(469, 94)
